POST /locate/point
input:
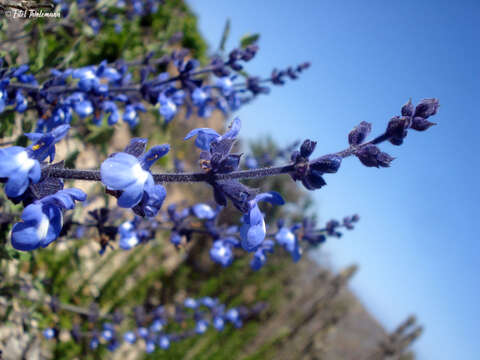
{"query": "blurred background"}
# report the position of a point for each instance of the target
(414, 251)
(416, 244)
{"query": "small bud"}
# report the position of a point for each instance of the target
(295, 155)
(327, 164)
(313, 180)
(426, 108)
(371, 156)
(359, 133)
(396, 141)
(397, 127)
(421, 124)
(407, 109)
(307, 148)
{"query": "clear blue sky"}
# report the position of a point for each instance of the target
(417, 243)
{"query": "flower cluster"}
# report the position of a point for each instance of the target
(20, 166)
(155, 327)
(101, 91)
(228, 242)
(128, 174)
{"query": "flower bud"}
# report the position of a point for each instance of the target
(397, 127)
(307, 148)
(359, 133)
(371, 156)
(327, 164)
(421, 124)
(426, 108)
(407, 109)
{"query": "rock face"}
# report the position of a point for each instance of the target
(320, 318)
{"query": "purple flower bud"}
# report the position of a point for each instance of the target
(397, 127)
(359, 133)
(307, 148)
(421, 124)
(371, 156)
(407, 109)
(426, 108)
(327, 164)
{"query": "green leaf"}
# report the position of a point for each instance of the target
(100, 135)
(71, 158)
(249, 39)
(226, 33)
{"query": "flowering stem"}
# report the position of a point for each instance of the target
(94, 175)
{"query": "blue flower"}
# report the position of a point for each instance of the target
(22, 165)
(200, 97)
(251, 162)
(201, 326)
(128, 235)
(83, 108)
(93, 78)
(131, 175)
(130, 115)
(49, 333)
(222, 251)
(253, 230)
(286, 237)
(130, 337)
(190, 303)
(21, 102)
(43, 219)
(208, 302)
(233, 316)
(203, 211)
(149, 346)
(111, 109)
(94, 343)
(205, 136)
(142, 332)
(108, 331)
(3, 93)
(260, 256)
(164, 342)
(218, 323)
(157, 325)
(225, 84)
(168, 108)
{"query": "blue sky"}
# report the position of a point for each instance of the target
(417, 243)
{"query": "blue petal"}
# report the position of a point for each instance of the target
(272, 197)
(24, 236)
(60, 131)
(131, 195)
(35, 172)
(7, 160)
(84, 108)
(76, 194)
(34, 136)
(61, 200)
(55, 217)
(17, 184)
(32, 212)
(233, 130)
(128, 242)
(255, 236)
(155, 196)
(252, 236)
(153, 155)
(255, 216)
(205, 137)
(116, 171)
(203, 211)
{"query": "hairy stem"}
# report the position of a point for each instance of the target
(94, 175)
